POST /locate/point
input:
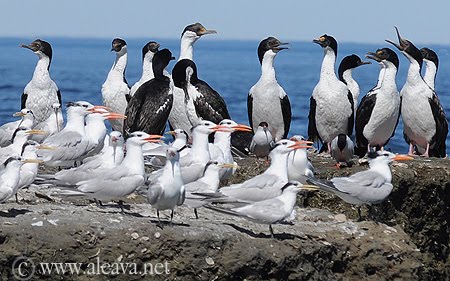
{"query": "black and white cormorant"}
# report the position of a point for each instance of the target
(431, 60)
(41, 92)
(202, 102)
(115, 90)
(178, 118)
(149, 108)
(378, 113)
(342, 150)
(148, 51)
(345, 74)
(424, 123)
(267, 101)
(331, 109)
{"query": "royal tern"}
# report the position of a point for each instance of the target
(7, 130)
(20, 136)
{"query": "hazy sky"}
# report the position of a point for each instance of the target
(352, 21)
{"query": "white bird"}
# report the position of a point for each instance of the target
(71, 142)
(53, 124)
(115, 90)
(372, 186)
(262, 141)
(9, 176)
(271, 210)
(41, 92)
(168, 191)
(178, 118)
(148, 51)
(110, 157)
(181, 138)
(342, 150)
(266, 185)
(123, 179)
(20, 136)
(299, 165)
(7, 130)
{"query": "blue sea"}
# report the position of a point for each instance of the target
(80, 66)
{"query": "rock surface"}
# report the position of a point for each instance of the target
(406, 237)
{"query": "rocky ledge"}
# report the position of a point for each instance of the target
(406, 237)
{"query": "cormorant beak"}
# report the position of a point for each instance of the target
(280, 47)
(364, 62)
(32, 161)
(173, 133)
(114, 115)
(19, 114)
(373, 56)
(46, 147)
(172, 58)
(320, 41)
(115, 47)
(32, 47)
(153, 138)
(402, 157)
(403, 43)
(242, 128)
(205, 31)
(36, 132)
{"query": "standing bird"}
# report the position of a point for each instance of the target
(168, 191)
(267, 101)
(331, 109)
(345, 74)
(342, 150)
(424, 123)
(115, 90)
(148, 51)
(29, 170)
(262, 141)
(431, 60)
(41, 92)
(52, 125)
(299, 165)
(202, 102)
(379, 111)
(150, 106)
(7, 130)
(178, 118)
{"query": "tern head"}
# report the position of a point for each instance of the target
(140, 138)
(178, 134)
(385, 157)
(24, 113)
(40, 48)
(232, 126)
(270, 44)
(195, 31)
(408, 49)
(430, 55)
(285, 146)
(327, 42)
(24, 132)
(206, 127)
(116, 138)
(384, 54)
(82, 108)
(150, 48)
(118, 45)
(184, 73)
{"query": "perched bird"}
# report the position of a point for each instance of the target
(342, 150)
(53, 124)
(424, 121)
(331, 109)
(7, 130)
(202, 102)
(168, 191)
(268, 211)
(181, 138)
(372, 186)
(379, 111)
(148, 51)
(41, 92)
(431, 60)
(19, 138)
(115, 89)
(178, 118)
(10, 175)
(267, 101)
(29, 170)
(150, 106)
(299, 165)
(262, 141)
(345, 74)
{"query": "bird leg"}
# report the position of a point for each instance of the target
(98, 203)
(359, 213)
(426, 154)
(338, 165)
(411, 149)
(159, 220)
(171, 218)
(121, 206)
(271, 231)
(196, 214)
(17, 198)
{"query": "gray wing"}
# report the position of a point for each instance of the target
(267, 212)
(154, 193)
(259, 188)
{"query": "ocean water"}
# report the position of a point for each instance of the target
(80, 66)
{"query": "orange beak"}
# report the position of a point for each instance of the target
(220, 128)
(95, 109)
(300, 144)
(113, 115)
(154, 138)
(402, 157)
(243, 128)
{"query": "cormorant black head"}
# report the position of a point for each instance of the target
(117, 44)
(327, 41)
(384, 54)
(350, 62)
(263, 124)
(160, 61)
(198, 29)
(151, 46)
(41, 46)
(181, 70)
(342, 141)
(270, 43)
(407, 47)
(430, 55)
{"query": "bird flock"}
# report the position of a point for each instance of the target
(191, 168)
